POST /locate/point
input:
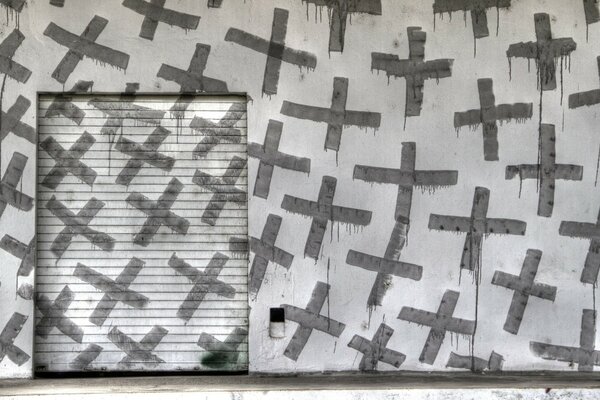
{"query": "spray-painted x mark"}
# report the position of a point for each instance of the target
(25, 252)
(545, 50)
(322, 211)
(77, 224)
(114, 290)
(9, 195)
(154, 12)
(440, 323)
(9, 67)
(375, 350)
(489, 115)
(547, 172)
(309, 319)
(415, 70)
(83, 46)
(523, 286)
(205, 282)
(336, 117)
(591, 232)
(275, 49)
(158, 213)
(223, 353)
(191, 80)
(216, 133)
(7, 338)
(62, 103)
(125, 108)
(477, 226)
(143, 153)
(54, 316)
(224, 189)
(68, 161)
(270, 157)
(11, 121)
(138, 352)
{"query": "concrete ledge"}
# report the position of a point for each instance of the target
(539, 383)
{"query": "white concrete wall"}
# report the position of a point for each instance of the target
(439, 147)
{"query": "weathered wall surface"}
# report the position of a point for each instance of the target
(447, 163)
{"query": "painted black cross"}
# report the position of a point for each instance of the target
(77, 224)
(476, 364)
(309, 319)
(138, 352)
(191, 80)
(222, 353)
(224, 189)
(216, 133)
(143, 153)
(406, 178)
(375, 350)
(415, 70)
(322, 211)
(589, 231)
(270, 157)
(158, 213)
(24, 252)
(547, 171)
(68, 161)
(545, 50)
(84, 46)
(7, 338)
(53, 316)
(386, 266)
(205, 282)
(477, 226)
(275, 50)
(155, 12)
(585, 355)
(11, 68)
(265, 251)
(523, 286)
(10, 121)
(477, 8)
(9, 195)
(114, 290)
(336, 117)
(440, 322)
(339, 11)
(489, 115)
(62, 104)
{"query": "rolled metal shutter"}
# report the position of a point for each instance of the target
(138, 197)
